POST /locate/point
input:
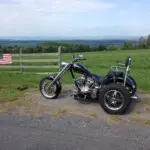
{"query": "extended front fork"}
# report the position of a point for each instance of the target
(58, 77)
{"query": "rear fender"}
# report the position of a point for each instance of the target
(129, 82)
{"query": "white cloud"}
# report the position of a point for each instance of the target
(24, 14)
(60, 5)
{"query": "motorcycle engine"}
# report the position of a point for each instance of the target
(87, 86)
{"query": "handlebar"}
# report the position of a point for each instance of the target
(77, 58)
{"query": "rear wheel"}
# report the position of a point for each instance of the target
(49, 93)
(114, 99)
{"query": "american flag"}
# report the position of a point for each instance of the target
(6, 59)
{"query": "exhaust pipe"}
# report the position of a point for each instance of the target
(134, 97)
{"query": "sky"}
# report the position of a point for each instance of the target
(71, 18)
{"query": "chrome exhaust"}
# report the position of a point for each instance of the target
(134, 97)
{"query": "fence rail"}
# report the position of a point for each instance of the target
(37, 54)
(31, 63)
(17, 66)
(38, 60)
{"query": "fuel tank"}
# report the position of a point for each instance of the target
(81, 69)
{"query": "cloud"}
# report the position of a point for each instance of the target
(41, 8)
(57, 5)
(72, 5)
(24, 14)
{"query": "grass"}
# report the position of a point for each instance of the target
(9, 94)
(139, 120)
(115, 117)
(147, 122)
(145, 101)
(91, 114)
(23, 107)
(11, 105)
(138, 112)
(97, 62)
(148, 109)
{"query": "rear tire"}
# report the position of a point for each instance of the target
(45, 93)
(107, 100)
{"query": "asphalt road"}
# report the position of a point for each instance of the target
(70, 133)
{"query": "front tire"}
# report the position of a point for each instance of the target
(48, 93)
(114, 99)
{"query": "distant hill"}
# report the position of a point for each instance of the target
(39, 42)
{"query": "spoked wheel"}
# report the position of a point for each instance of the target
(114, 99)
(49, 93)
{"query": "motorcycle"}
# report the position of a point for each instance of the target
(113, 91)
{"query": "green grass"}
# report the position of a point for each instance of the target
(100, 62)
(115, 117)
(16, 80)
(145, 101)
(141, 121)
(9, 94)
(97, 62)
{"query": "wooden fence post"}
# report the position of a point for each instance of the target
(59, 57)
(21, 70)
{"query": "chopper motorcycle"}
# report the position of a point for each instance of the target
(113, 91)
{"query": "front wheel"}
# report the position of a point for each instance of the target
(51, 93)
(114, 99)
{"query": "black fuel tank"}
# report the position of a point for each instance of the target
(81, 69)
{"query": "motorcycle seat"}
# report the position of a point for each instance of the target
(97, 77)
(116, 73)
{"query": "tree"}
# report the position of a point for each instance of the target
(148, 41)
(101, 48)
(4, 50)
(128, 46)
(38, 49)
(142, 42)
(112, 48)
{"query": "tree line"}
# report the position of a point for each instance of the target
(50, 47)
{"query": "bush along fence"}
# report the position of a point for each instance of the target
(33, 62)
